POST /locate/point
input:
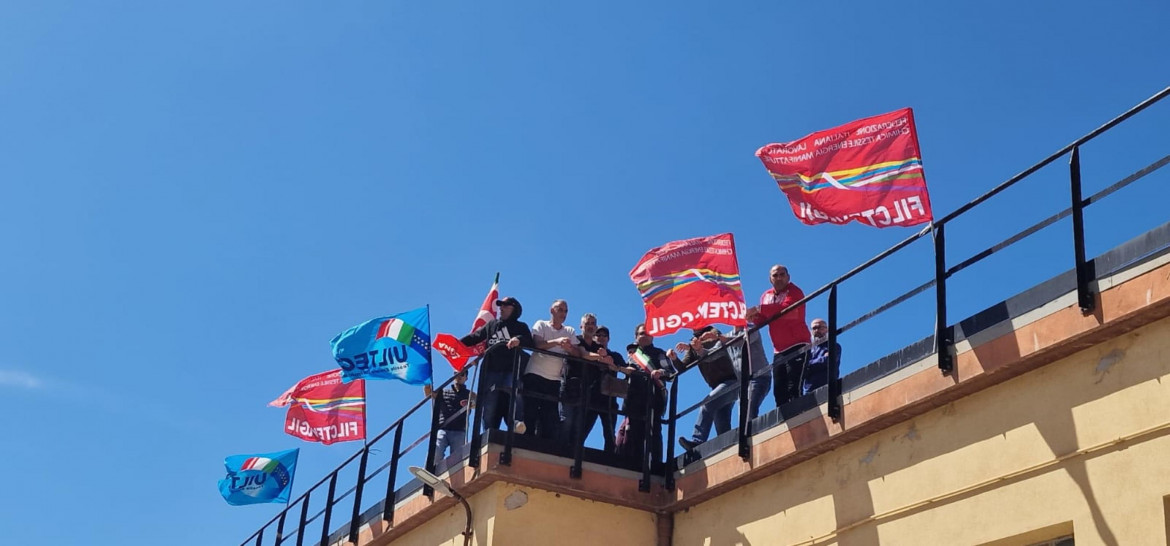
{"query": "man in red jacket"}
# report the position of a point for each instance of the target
(789, 336)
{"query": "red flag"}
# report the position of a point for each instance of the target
(457, 353)
(690, 284)
(323, 409)
(488, 311)
(869, 170)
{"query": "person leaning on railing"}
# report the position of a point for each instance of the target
(816, 374)
(719, 373)
(607, 403)
(584, 378)
(759, 373)
(789, 336)
(504, 336)
(647, 388)
(542, 379)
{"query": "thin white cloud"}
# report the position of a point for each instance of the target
(17, 378)
(96, 398)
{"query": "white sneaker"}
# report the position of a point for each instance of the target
(519, 427)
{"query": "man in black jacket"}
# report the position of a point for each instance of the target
(583, 376)
(719, 373)
(647, 392)
(504, 336)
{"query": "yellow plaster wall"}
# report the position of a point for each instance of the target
(447, 528)
(563, 520)
(506, 515)
(1001, 463)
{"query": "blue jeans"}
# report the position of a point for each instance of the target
(758, 388)
(495, 401)
(454, 439)
(716, 410)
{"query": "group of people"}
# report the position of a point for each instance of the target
(556, 392)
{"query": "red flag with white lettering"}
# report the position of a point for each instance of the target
(690, 284)
(869, 171)
(455, 352)
(458, 354)
(323, 409)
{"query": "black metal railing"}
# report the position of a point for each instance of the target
(943, 341)
(328, 486)
(580, 400)
(944, 331)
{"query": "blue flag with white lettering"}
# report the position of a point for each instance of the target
(391, 347)
(254, 479)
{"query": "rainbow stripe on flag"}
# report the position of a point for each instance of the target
(889, 174)
(351, 405)
(659, 288)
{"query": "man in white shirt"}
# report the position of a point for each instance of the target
(542, 380)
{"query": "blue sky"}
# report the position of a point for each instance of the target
(195, 197)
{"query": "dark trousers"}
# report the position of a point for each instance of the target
(637, 434)
(787, 369)
(495, 398)
(597, 410)
(639, 407)
(608, 424)
(541, 415)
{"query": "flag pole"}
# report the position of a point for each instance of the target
(495, 284)
(428, 388)
(292, 480)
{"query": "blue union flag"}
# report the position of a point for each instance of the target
(390, 347)
(260, 478)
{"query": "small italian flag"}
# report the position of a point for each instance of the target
(397, 330)
(642, 360)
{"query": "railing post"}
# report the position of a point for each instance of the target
(328, 508)
(481, 397)
(280, 527)
(647, 438)
(835, 408)
(745, 379)
(1085, 298)
(388, 509)
(260, 537)
(942, 334)
(579, 423)
(304, 518)
(354, 523)
(432, 442)
(671, 463)
(513, 399)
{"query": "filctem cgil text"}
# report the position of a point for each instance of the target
(732, 310)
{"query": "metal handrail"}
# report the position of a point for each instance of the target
(942, 335)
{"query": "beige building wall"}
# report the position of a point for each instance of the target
(447, 528)
(565, 520)
(506, 514)
(1079, 446)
